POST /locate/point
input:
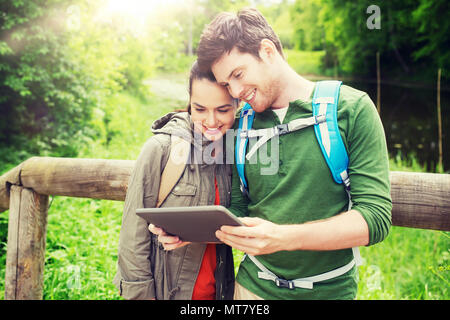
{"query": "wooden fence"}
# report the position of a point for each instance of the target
(420, 200)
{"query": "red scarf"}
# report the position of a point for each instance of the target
(205, 285)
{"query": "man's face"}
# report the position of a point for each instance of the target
(247, 78)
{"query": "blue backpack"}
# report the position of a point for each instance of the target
(324, 120)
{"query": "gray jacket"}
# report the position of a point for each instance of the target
(145, 269)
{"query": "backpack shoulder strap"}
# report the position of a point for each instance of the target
(246, 117)
(325, 102)
(179, 152)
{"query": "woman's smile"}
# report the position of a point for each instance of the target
(212, 131)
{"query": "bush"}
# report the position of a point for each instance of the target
(55, 77)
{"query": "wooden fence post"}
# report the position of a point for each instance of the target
(26, 244)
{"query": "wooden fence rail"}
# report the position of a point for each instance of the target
(420, 200)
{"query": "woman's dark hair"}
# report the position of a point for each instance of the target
(196, 74)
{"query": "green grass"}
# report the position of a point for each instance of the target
(82, 234)
(408, 264)
(81, 250)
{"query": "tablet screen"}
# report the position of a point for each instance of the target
(194, 224)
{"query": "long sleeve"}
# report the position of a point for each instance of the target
(369, 169)
(134, 278)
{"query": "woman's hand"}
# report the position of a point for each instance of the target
(168, 242)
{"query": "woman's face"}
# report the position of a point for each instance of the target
(212, 109)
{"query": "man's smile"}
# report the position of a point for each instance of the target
(250, 96)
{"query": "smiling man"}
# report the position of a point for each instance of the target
(300, 224)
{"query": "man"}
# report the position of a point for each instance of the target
(298, 224)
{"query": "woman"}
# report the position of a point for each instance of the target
(168, 269)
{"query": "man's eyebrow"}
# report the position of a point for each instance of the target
(222, 83)
(231, 73)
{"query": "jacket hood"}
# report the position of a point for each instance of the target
(179, 124)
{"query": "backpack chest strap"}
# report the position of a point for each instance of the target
(282, 129)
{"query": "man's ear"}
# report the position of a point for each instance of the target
(267, 50)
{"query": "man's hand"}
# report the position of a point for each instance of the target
(168, 242)
(257, 237)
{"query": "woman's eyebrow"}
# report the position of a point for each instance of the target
(224, 106)
(219, 107)
(198, 105)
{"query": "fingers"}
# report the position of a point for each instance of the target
(168, 242)
(155, 230)
(248, 245)
(174, 246)
(257, 237)
(248, 232)
(236, 242)
(251, 222)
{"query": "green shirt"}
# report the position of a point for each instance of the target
(302, 190)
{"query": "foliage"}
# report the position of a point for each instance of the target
(305, 62)
(59, 63)
(309, 33)
(82, 234)
(412, 38)
(176, 30)
(37, 83)
(279, 18)
(72, 84)
(433, 32)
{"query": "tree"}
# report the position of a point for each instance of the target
(413, 34)
(59, 62)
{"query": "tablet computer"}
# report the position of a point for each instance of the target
(193, 224)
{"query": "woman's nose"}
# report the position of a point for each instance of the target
(211, 120)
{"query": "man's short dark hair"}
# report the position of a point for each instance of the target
(244, 30)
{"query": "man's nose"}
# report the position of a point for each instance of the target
(234, 89)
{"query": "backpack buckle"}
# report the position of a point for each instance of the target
(281, 129)
(283, 283)
(243, 134)
(244, 191)
(320, 118)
